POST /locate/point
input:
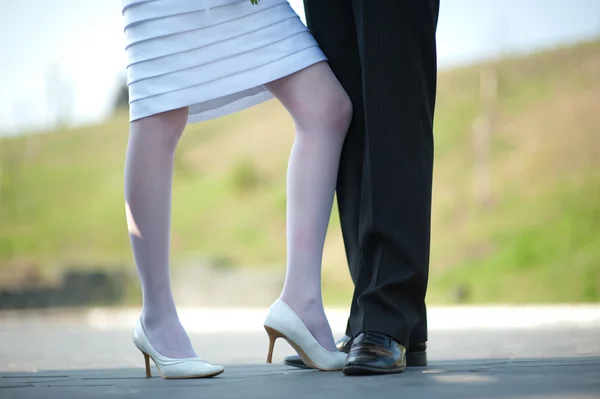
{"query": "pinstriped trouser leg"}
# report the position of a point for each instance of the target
(396, 41)
(384, 185)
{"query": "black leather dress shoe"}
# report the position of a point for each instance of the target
(375, 353)
(416, 356)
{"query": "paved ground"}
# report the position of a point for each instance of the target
(503, 353)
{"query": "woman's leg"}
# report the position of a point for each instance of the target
(148, 177)
(322, 112)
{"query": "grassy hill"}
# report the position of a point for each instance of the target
(535, 239)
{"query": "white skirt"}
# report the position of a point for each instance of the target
(213, 56)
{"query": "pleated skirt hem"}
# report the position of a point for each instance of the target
(227, 95)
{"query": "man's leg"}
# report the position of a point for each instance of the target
(396, 40)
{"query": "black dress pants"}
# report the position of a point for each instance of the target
(384, 54)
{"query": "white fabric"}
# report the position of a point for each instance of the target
(213, 56)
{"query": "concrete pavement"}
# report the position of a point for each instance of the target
(552, 354)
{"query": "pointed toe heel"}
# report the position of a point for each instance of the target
(194, 367)
(283, 322)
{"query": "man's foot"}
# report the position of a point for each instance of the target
(416, 355)
(375, 353)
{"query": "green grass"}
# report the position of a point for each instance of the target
(552, 254)
(61, 193)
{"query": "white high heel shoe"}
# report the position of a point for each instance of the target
(283, 322)
(193, 367)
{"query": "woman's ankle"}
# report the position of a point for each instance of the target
(302, 301)
(159, 316)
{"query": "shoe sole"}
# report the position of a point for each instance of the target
(416, 359)
(298, 365)
(216, 373)
(365, 370)
(413, 359)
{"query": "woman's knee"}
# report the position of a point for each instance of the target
(316, 100)
(168, 125)
(338, 112)
(330, 113)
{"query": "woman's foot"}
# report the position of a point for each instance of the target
(168, 337)
(283, 322)
(168, 367)
(312, 314)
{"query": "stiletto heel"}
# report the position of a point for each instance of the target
(147, 362)
(273, 335)
(193, 367)
(282, 322)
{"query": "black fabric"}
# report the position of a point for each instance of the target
(384, 54)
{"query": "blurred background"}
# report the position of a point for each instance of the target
(516, 214)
